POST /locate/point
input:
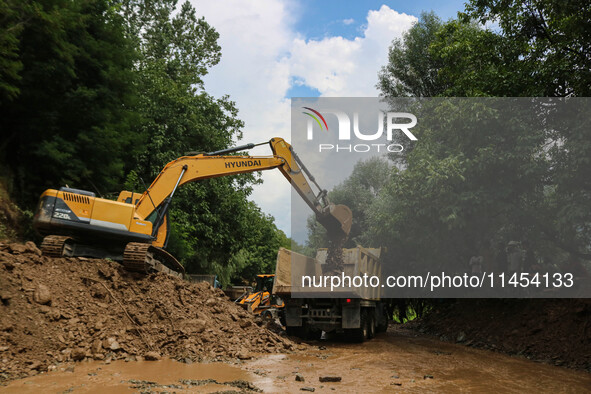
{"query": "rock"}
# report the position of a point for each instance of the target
(17, 248)
(44, 309)
(198, 325)
(324, 379)
(245, 323)
(311, 389)
(42, 295)
(211, 302)
(30, 247)
(243, 355)
(5, 296)
(152, 356)
(78, 354)
(299, 378)
(98, 291)
(35, 365)
(96, 346)
(428, 377)
(111, 343)
(461, 337)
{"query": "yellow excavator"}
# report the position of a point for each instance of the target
(134, 229)
(262, 301)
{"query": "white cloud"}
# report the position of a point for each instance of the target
(344, 67)
(262, 55)
(348, 21)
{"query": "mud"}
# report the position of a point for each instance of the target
(56, 310)
(554, 331)
(334, 256)
(400, 360)
(143, 376)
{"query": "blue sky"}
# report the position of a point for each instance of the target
(273, 50)
(318, 19)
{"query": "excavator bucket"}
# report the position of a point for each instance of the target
(337, 220)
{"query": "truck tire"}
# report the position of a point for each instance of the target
(293, 331)
(383, 327)
(383, 320)
(371, 326)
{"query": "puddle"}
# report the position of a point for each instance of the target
(133, 377)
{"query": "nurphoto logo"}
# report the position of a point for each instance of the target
(395, 122)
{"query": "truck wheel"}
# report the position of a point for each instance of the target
(383, 321)
(315, 335)
(371, 326)
(293, 331)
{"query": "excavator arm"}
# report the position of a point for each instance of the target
(156, 199)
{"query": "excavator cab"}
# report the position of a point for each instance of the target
(264, 283)
(261, 301)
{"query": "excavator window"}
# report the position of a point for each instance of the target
(264, 284)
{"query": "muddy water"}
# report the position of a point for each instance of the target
(132, 377)
(396, 361)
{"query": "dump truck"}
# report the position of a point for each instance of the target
(356, 312)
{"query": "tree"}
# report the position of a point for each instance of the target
(66, 119)
(525, 179)
(412, 70)
(215, 229)
(554, 37)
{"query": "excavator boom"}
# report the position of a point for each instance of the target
(135, 228)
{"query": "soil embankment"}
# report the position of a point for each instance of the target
(55, 310)
(554, 331)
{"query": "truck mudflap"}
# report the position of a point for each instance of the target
(351, 316)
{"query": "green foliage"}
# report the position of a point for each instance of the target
(358, 193)
(11, 26)
(553, 37)
(412, 69)
(67, 124)
(461, 190)
(102, 94)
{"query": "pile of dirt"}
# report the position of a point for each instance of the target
(555, 331)
(55, 310)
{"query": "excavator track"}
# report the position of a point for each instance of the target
(145, 258)
(56, 246)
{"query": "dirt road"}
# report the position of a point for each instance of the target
(396, 361)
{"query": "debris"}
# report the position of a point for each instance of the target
(152, 356)
(311, 389)
(78, 354)
(42, 295)
(61, 309)
(324, 379)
